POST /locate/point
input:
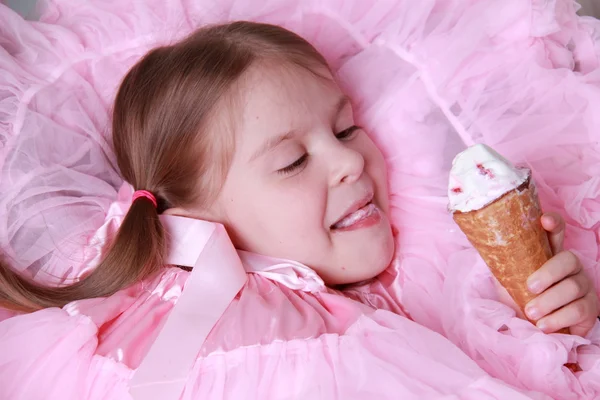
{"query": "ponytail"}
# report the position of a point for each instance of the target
(137, 252)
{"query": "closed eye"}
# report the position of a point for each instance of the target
(347, 134)
(293, 166)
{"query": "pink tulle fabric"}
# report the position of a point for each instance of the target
(427, 78)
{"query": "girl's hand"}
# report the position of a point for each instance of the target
(566, 296)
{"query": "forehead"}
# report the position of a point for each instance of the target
(279, 99)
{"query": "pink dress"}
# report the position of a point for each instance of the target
(284, 335)
(427, 78)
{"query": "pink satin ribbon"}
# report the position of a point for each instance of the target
(291, 274)
(217, 276)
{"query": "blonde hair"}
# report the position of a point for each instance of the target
(160, 121)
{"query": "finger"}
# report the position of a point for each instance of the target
(565, 292)
(555, 225)
(554, 270)
(570, 315)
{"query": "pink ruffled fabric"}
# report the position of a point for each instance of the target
(273, 342)
(427, 78)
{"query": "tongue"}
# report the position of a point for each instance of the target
(354, 217)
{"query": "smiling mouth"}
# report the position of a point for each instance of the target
(366, 212)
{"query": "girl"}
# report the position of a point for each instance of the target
(243, 125)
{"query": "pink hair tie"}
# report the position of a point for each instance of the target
(144, 193)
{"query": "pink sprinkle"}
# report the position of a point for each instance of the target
(457, 190)
(484, 171)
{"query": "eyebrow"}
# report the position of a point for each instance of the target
(273, 142)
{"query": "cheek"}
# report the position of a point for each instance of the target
(238, 206)
(273, 218)
(376, 167)
(302, 209)
(287, 227)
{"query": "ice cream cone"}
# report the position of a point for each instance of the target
(496, 205)
(509, 236)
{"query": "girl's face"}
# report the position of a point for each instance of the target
(305, 183)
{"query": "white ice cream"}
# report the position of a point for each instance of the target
(479, 176)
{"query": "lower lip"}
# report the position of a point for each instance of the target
(370, 220)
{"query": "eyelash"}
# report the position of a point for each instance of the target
(347, 133)
(293, 166)
(343, 135)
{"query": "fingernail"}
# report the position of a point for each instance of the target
(542, 326)
(532, 312)
(535, 287)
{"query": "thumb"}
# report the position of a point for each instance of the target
(554, 224)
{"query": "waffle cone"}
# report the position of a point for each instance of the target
(509, 236)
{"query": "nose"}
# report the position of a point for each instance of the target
(347, 165)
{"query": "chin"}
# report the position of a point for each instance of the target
(378, 256)
(378, 263)
(361, 255)
(362, 266)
